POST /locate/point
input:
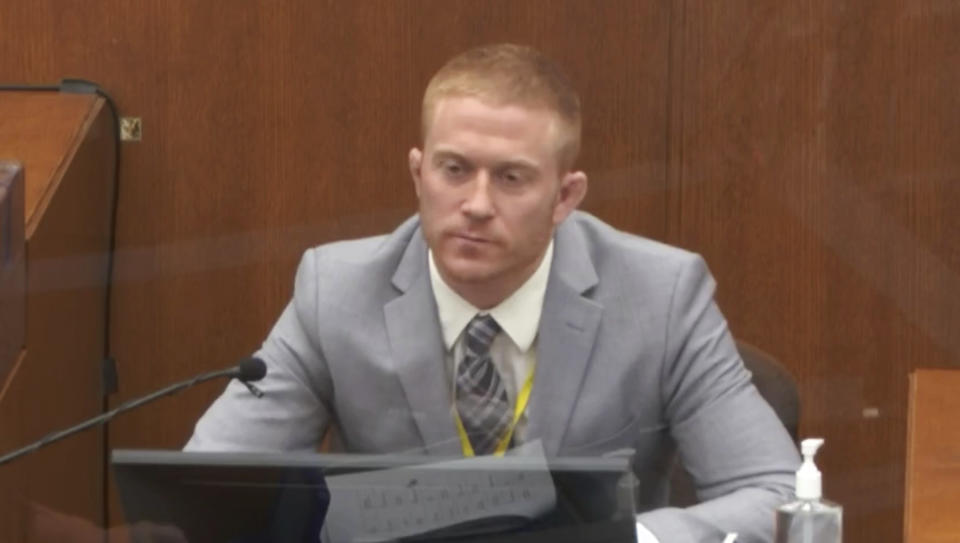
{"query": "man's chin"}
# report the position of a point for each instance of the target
(469, 276)
(469, 272)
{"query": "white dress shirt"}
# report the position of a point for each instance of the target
(513, 352)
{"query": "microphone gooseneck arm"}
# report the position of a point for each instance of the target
(236, 371)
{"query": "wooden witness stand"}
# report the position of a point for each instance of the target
(56, 176)
(933, 458)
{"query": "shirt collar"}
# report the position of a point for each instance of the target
(518, 315)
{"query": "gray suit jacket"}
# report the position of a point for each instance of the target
(632, 353)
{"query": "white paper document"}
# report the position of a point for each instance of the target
(469, 494)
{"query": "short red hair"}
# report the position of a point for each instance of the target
(508, 74)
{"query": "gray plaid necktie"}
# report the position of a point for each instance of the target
(482, 401)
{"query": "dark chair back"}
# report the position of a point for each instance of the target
(775, 384)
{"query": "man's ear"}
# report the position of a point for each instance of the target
(573, 187)
(415, 159)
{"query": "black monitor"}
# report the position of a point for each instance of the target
(306, 497)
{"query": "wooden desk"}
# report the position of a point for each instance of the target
(932, 504)
(65, 144)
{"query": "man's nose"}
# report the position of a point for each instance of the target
(478, 204)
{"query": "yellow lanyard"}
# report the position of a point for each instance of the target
(518, 410)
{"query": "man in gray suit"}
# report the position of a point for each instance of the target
(500, 315)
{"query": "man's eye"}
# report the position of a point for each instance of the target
(452, 168)
(512, 177)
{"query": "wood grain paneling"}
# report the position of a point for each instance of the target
(269, 130)
(933, 458)
(68, 141)
(272, 127)
(31, 135)
(804, 147)
(813, 163)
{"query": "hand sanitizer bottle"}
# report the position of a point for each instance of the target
(810, 519)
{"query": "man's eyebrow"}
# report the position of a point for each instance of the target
(443, 154)
(518, 163)
(514, 163)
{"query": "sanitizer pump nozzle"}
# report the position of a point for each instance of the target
(809, 485)
(809, 519)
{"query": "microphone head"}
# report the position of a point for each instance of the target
(251, 369)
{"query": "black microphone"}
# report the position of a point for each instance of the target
(251, 369)
(248, 370)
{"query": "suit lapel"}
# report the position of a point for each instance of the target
(568, 329)
(417, 346)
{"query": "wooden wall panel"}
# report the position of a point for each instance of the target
(65, 143)
(933, 458)
(813, 162)
(271, 127)
(804, 147)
